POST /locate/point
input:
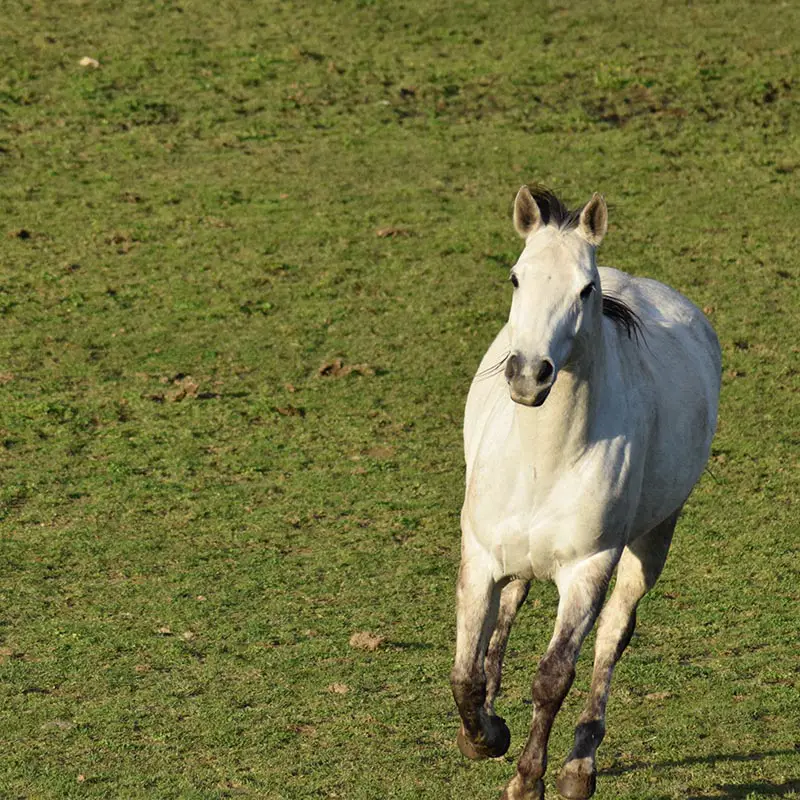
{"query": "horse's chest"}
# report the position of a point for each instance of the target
(530, 518)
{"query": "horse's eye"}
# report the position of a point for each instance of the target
(587, 290)
(514, 281)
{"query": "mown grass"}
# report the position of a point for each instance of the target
(195, 520)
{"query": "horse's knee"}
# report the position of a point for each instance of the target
(552, 681)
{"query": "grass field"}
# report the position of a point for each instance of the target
(249, 265)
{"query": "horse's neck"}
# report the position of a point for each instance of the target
(557, 433)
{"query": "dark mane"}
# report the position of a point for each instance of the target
(622, 315)
(553, 211)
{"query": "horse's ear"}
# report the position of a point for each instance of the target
(594, 220)
(527, 217)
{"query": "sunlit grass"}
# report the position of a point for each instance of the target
(196, 516)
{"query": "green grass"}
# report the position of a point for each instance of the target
(195, 521)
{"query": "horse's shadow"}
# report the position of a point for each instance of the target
(738, 791)
(724, 791)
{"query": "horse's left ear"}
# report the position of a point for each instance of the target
(594, 220)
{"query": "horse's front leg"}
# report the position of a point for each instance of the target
(582, 588)
(639, 568)
(511, 598)
(482, 733)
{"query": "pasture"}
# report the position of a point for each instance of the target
(249, 264)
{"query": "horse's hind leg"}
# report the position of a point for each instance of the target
(482, 733)
(511, 598)
(582, 589)
(639, 568)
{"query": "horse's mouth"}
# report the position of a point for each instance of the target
(532, 401)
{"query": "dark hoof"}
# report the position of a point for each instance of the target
(575, 785)
(492, 744)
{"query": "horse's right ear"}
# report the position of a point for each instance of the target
(527, 217)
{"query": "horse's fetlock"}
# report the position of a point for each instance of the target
(593, 729)
(532, 764)
(588, 736)
(469, 691)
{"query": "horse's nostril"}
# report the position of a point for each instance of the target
(545, 371)
(512, 367)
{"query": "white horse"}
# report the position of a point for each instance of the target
(587, 425)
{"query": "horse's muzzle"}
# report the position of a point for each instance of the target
(530, 382)
(534, 400)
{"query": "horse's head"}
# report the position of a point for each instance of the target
(557, 300)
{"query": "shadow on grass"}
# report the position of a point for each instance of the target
(686, 762)
(724, 791)
(738, 791)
